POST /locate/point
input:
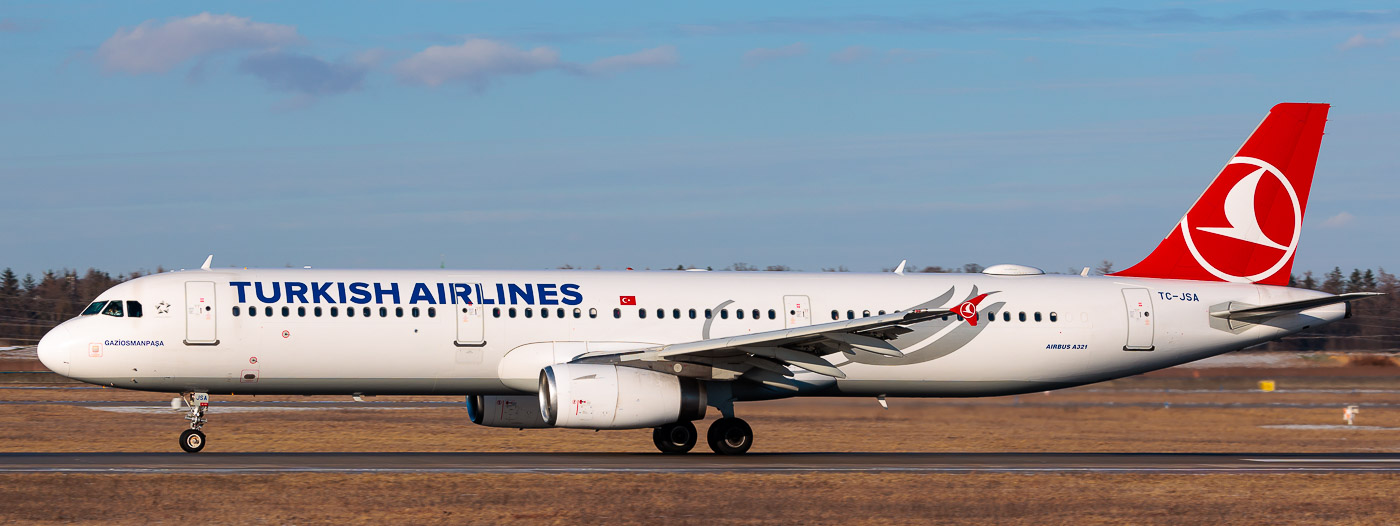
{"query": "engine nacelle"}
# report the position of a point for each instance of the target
(596, 396)
(505, 411)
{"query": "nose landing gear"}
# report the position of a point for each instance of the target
(192, 440)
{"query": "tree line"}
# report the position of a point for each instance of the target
(30, 306)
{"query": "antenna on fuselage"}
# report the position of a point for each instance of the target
(207, 262)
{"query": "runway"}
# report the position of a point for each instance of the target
(577, 463)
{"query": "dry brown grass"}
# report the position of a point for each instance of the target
(702, 498)
(1065, 421)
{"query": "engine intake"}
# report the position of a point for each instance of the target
(597, 396)
(520, 412)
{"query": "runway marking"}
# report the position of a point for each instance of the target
(1325, 460)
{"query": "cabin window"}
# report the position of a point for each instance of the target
(642, 313)
(772, 314)
(692, 314)
(95, 308)
(510, 312)
(676, 313)
(559, 312)
(530, 312)
(365, 312)
(1006, 316)
(496, 312)
(882, 313)
(1054, 317)
(432, 312)
(739, 313)
(398, 312)
(835, 315)
(335, 312)
(383, 312)
(850, 314)
(133, 309)
(617, 313)
(592, 313)
(709, 314)
(544, 313)
(301, 311)
(349, 312)
(724, 314)
(660, 313)
(578, 313)
(414, 312)
(1037, 316)
(252, 311)
(1022, 316)
(317, 312)
(865, 314)
(235, 310)
(755, 314)
(990, 316)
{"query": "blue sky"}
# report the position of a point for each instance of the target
(534, 134)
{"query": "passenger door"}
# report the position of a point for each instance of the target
(471, 318)
(1139, 304)
(201, 314)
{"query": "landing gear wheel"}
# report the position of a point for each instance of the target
(192, 440)
(730, 436)
(676, 438)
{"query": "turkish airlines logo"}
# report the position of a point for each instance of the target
(1239, 227)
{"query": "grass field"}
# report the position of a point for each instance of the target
(1177, 410)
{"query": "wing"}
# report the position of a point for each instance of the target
(763, 356)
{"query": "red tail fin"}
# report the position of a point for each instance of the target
(1245, 227)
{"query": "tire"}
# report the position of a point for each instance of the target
(730, 436)
(192, 440)
(674, 439)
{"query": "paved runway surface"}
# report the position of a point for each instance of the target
(213, 462)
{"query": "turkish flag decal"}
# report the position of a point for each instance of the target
(627, 300)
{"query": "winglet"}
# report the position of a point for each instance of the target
(207, 262)
(900, 269)
(968, 309)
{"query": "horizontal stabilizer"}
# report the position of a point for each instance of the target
(1279, 309)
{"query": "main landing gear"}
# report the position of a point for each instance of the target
(192, 439)
(727, 436)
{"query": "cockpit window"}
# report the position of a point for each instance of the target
(114, 308)
(95, 308)
(133, 309)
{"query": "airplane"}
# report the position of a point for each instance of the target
(638, 350)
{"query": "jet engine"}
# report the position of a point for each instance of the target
(520, 412)
(597, 396)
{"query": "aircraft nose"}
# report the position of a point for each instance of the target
(54, 349)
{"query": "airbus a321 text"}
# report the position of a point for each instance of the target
(636, 350)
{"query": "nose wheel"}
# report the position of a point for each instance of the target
(192, 440)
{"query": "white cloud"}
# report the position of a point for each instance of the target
(851, 54)
(155, 47)
(650, 58)
(1359, 40)
(474, 61)
(1338, 221)
(478, 60)
(759, 55)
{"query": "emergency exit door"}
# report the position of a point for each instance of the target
(470, 314)
(798, 311)
(1139, 304)
(201, 314)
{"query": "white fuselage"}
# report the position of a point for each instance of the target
(464, 339)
